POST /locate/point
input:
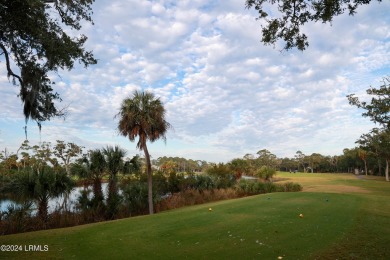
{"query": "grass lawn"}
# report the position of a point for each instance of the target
(344, 217)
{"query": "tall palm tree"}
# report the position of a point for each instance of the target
(143, 115)
(114, 164)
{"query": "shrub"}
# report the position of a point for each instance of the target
(250, 187)
(222, 175)
(16, 218)
(266, 173)
(289, 187)
(269, 187)
(174, 182)
(192, 197)
(135, 196)
(204, 182)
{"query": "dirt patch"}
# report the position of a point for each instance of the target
(335, 189)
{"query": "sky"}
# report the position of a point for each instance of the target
(225, 93)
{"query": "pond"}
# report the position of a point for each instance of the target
(55, 203)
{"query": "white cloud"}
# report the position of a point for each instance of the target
(225, 93)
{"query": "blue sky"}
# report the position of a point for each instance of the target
(225, 93)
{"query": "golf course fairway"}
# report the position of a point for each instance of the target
(337, 216)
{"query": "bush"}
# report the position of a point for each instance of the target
(269, 187)
(266, 173)
(193, 197)
(289, 187)
(174, 182)
(222, 175)
(204, 182)
(250, 187)
(135, 197)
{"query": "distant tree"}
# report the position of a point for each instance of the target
(168, 167)
(133, 165)
(314, 160)
(240, 167)
(349, 160)
(66, 152)
(300, 159)
(378, 142)
(222, 175)
(266, 158)
(34, 40)
(143, 115)
(293, 14)
(363, 156)
(266, 173)
(42, 155)
(288, 164)
(333, 161)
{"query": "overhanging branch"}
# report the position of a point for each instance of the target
(7, 62)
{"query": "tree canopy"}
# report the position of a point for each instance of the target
(293, 14)
(378, 110)
(33, 43)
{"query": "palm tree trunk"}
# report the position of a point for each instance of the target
(97, 190)
(43, 208)
(150, 180)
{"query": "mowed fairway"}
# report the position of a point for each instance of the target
(344, 217)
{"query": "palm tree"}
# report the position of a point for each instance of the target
(91, 168)
(143, 115)
(97, 166)
(114, 163)
(41, 187)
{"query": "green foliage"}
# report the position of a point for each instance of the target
(292, 15)
(378, 143)
(265, 173)
(40, 187)
(250, 187)
(36, 42)
(178, 164)
(67, 151)
(378, 110)
(132, 166)
(240, 167)
(113, 156)
(289, 187)
(223, 176)
(142, 115)
(175, 182)
(135, 197)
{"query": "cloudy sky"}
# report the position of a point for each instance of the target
(225, 93)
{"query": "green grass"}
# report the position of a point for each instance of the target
(344, 218)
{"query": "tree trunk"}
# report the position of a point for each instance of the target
(43, 208)
(97, 190)
(365, 166)
(387, 170)
(112, 198)
(150, 180)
